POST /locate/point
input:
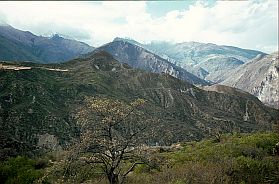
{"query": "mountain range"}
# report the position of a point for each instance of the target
(17, 45)
(259, 77)
(38, 103)
(197, 63)
(219, 64)
(138, 57)
(191, 88)
(201, 59)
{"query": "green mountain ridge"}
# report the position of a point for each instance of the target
(38, 105)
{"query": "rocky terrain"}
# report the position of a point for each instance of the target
(38, 106)
(205, 60)
(259, 77)
(17, 45)
(252, 71)
(138, 57)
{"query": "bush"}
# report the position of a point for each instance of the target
(19, 170)
(142, 168)
(41, 164)
(243, 158)
(252, 170)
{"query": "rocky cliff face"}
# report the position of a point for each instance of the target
(138, 57)
(214, 60)
(258, 77)
(249, 70)
(17, 45)
(39, 103)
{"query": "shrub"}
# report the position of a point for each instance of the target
(142, 168)
(41, 164)
(245, 158)
(19, 170)
(249, 170)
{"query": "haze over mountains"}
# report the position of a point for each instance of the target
(139, 92)
(138, 57)
(215, 64)
(205, 60)
(197, 63)
(39, 100)
(17, 45)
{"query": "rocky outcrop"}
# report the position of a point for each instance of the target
(49, 142)
(258, 77)
(138, 57)
(210, 59)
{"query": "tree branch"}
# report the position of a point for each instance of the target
(130, 169)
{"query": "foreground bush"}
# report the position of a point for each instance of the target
(242, 158)
(19, 170)
(239, 158)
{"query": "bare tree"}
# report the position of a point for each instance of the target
(112, 133)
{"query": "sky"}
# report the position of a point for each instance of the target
(247, 24)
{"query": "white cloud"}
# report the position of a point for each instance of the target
(247, 24)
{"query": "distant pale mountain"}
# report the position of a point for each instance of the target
(205, 60)
(138, 57)
(259, 77)
(17, 45)
(249, 70)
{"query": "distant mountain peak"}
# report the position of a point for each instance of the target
(129, 40)
(24, 46)
(138, 57)
(56, 37)
(258, 77)
(123, 39)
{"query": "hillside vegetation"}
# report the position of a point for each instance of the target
(235, 158)
(238, 158)
(39, 104)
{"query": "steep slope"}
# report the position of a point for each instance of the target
(15, 51)
(137, 57)
(17, 45)
(259, 77)
(38, 103)
(214, 59)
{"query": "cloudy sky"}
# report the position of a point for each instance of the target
(246, 24)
